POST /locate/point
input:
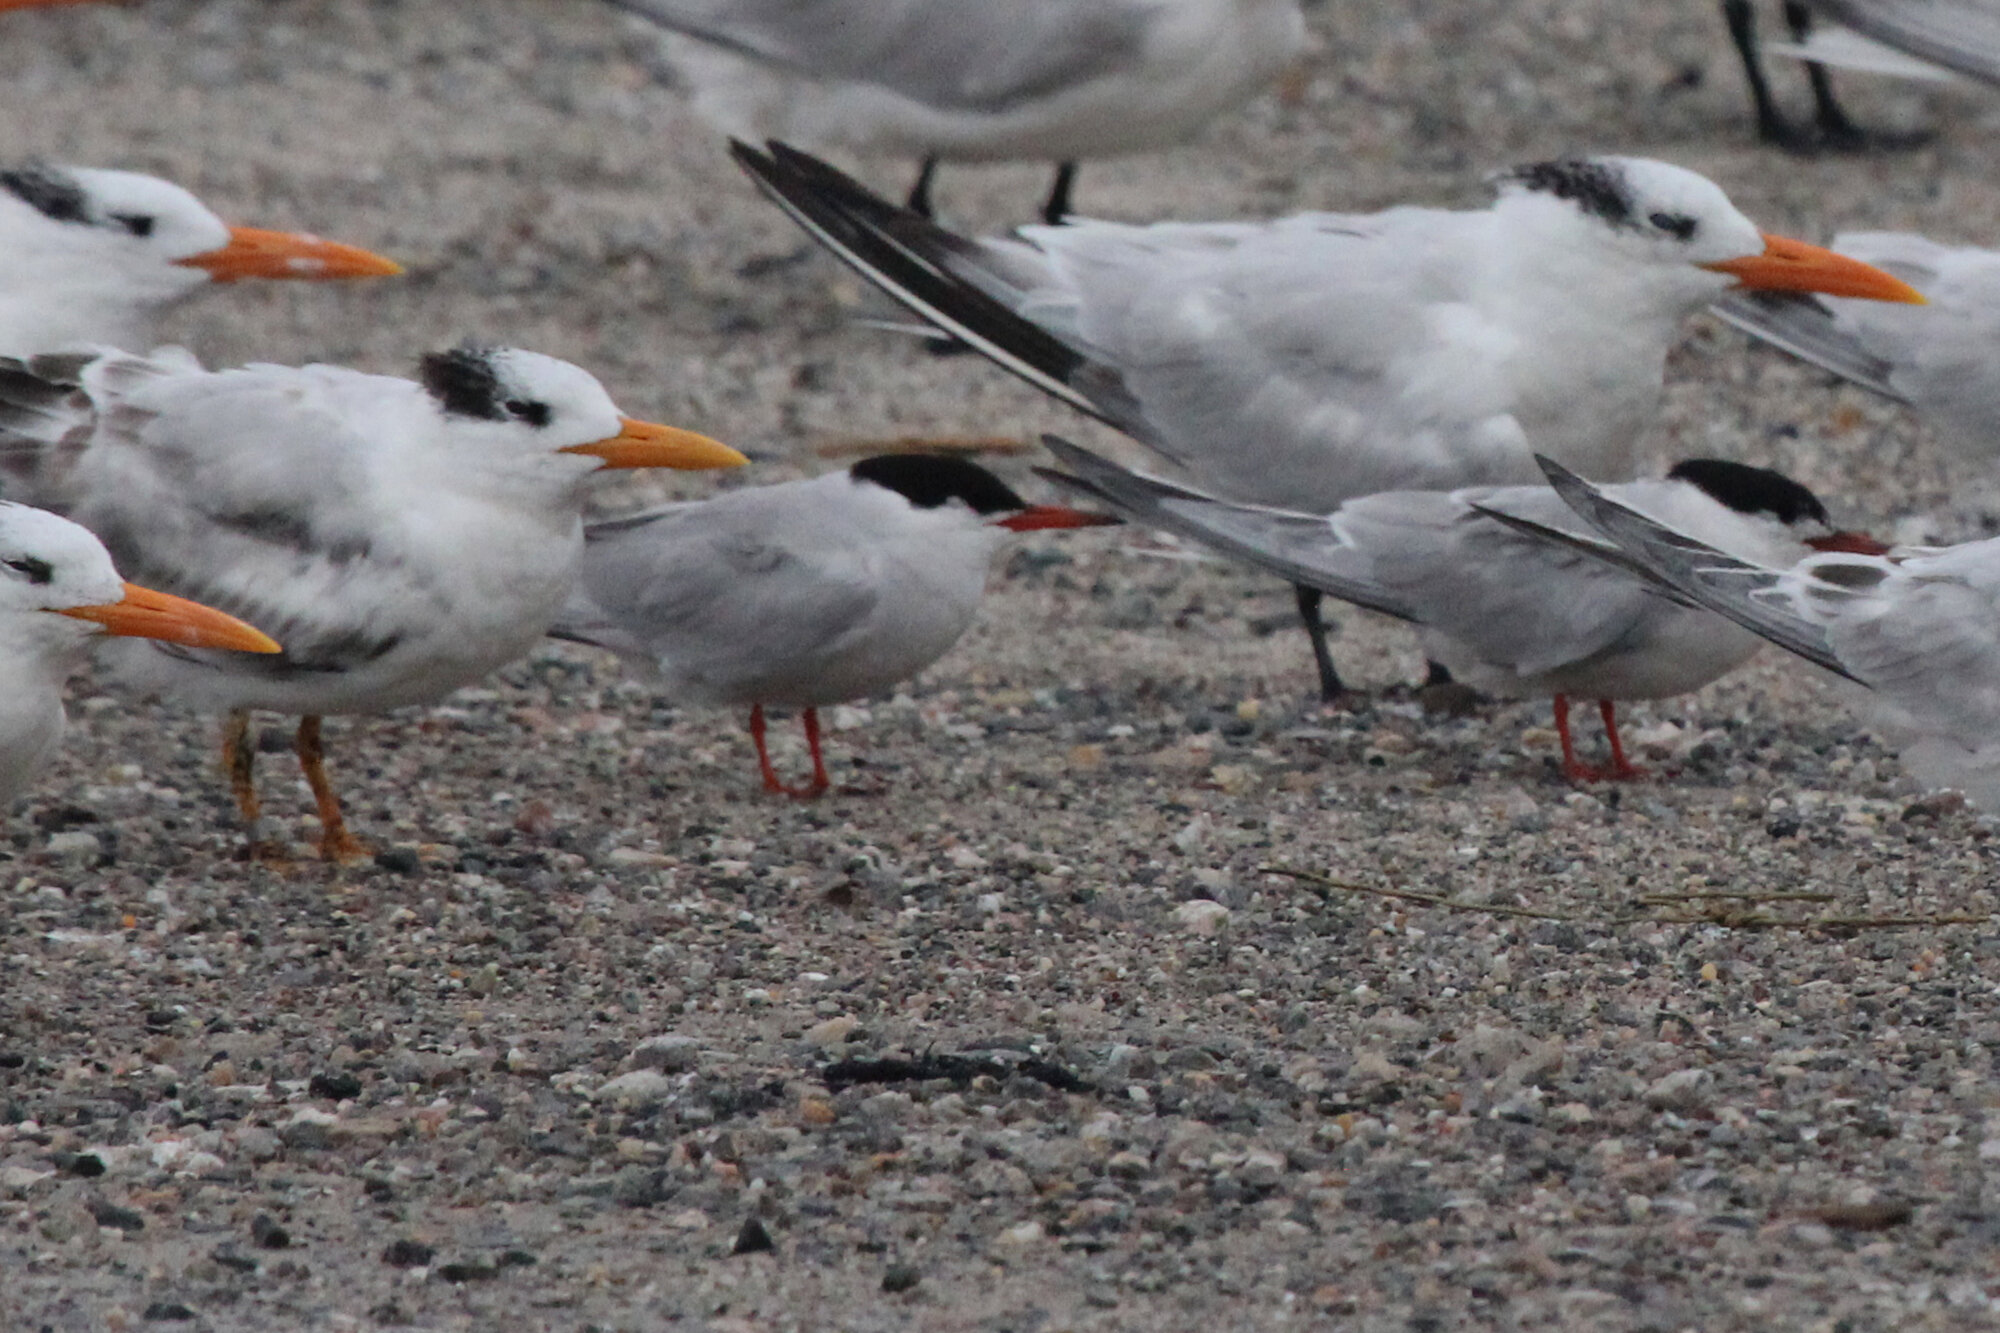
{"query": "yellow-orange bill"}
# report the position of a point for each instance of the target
(145, 614)
(1793, 266)
(1035, 517)
(253, 252)
(644, 444)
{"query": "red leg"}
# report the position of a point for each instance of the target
(1621, 768)
(1573, 768)
(771, 783)
(820, 781)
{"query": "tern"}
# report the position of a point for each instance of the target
(58, 594)
(1919, 627)
(977, 80)
(92, 256)
(1940, 358)
(802, 594)
(401, 538)
(1312, 360)
(1510, 613)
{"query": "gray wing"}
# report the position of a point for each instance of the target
(709, 596)
(1300, 548)
(975, 55)
(1804, 326)
(1722, 583)
(1961, 35)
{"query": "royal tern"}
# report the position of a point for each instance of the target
(59, 593)
(1811, 43)
(1962, 36)
(1943, 358)
(1309, 361)
(91, 256)
(805, 593)
(1918, 626)
(1509, 613)
(400, 538)
(976, 80)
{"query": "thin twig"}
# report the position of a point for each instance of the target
(1735, 895)
(1410, 896)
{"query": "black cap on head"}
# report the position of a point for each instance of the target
(1751, 490)
(1598, 188)
(50, 191)
(929, 480)
(465, 383)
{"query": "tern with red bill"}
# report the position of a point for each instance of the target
(1512, 613)
(401, 538)
(1919, 627)
(802, 594)
(1312, 360)
(59, 593)
(92, 256)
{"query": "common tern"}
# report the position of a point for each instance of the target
(1943, 358)
(1918, 626)
(401, 538)
(92, 256)
(977, 80)
(1510, 613)
(58, 594)
(1312, 360)
(805, 593)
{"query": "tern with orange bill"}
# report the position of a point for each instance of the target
(401, 538)
(1315, 359)
(93, 256)
(802, 594)
(59, 594)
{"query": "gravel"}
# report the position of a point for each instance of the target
(1017, 1032)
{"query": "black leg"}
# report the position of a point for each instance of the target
(1771, 126)
(919, 201)
(1330, 688)
(1056, 211)
(1834, 126)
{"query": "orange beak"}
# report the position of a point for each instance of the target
(643, 444)
(1793, 266)
(145, 614)
(1054, 516)
(255, 253)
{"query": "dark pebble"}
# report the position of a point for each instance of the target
(168, 1310)
(229, 1258)
(334, 1087)
(111, 1215)
(401, 860)
(467, 1272)
(268, 1234)
(897, 1278)
(86, 1164)
(754, 1238)
(515, 1259)
(407, 1254)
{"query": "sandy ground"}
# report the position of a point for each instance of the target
(588, 1028)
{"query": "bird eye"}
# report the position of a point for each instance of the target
(522, 409)
(1678, 225)
(36, 571)
(139, 224)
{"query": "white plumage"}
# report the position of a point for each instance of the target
(93, 256)
(400, 538)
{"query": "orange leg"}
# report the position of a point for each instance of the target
(1622, 769)
(336, 844)
(820, 781)
(239, 759)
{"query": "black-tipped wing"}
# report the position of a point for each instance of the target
(1961, 35)
(1300, 548)
(925, 268)
(1722, 583)
(1803, 326)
